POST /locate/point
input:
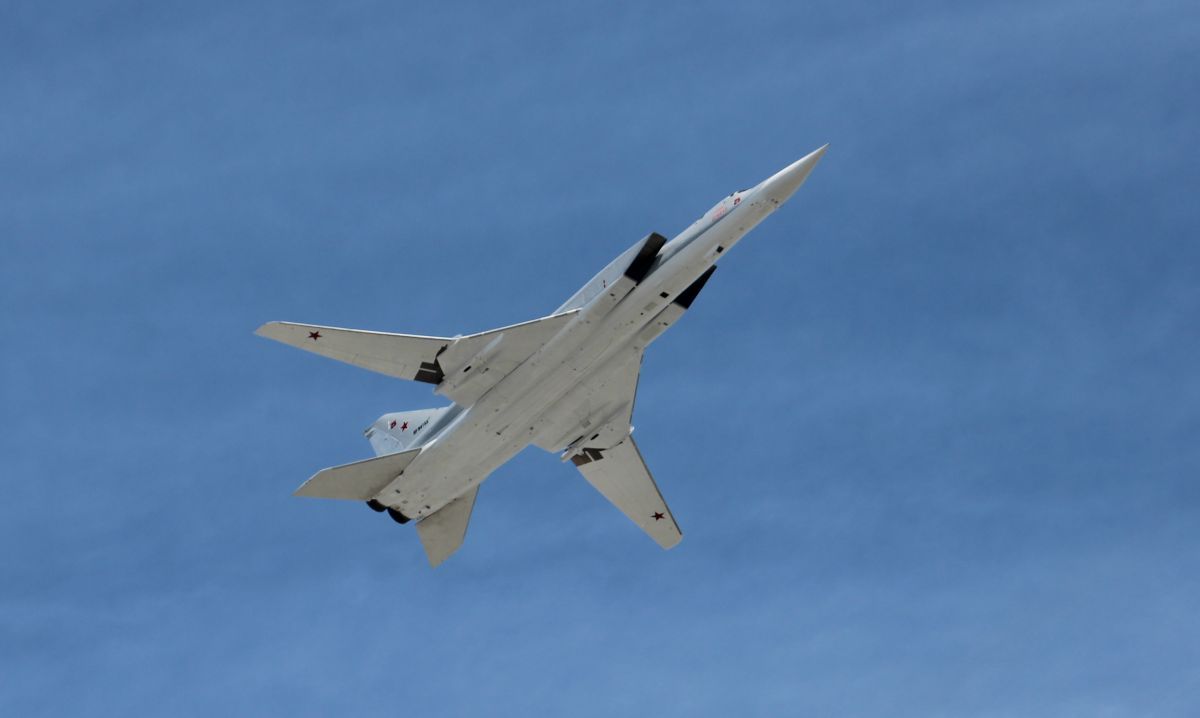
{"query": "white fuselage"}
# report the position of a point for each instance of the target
(614, 314)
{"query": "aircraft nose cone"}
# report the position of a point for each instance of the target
(784, 183)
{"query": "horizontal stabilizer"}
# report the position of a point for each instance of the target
(442, 532)
(621, 476)
(360, 481)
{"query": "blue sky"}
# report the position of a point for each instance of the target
(931, 432)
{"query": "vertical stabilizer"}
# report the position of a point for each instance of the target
(404, 430)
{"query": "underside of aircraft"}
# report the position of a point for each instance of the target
(565, 383)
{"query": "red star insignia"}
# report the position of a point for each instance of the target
(658, 516)
(392, 425)
(404, 426)
(314, 335)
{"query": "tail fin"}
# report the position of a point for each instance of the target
(405, 430)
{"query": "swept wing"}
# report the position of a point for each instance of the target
(464, 368)
(620, 474)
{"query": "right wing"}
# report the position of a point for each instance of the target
(400, 355)
(621, 476)
(464, 368)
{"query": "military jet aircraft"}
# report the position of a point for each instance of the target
(565, 383)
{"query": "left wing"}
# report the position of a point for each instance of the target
(621, 476)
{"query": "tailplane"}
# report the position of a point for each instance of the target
(360, 481)
(442, 532)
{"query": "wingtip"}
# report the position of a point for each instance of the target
(669, 541)
(436, 554)
(306, 489)
(670, 544)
